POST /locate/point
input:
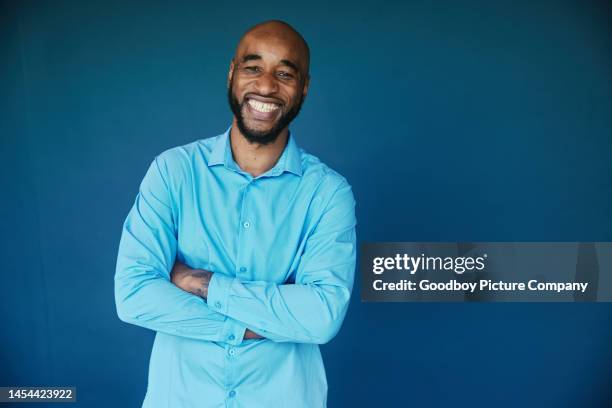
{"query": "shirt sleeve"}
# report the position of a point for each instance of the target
(312, 309)
(144, 294)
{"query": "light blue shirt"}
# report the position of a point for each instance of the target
(282, 247)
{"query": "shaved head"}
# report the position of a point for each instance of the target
(281, 31)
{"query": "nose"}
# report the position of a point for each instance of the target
(266, 84)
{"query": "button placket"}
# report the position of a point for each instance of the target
(232, 368)
(245, 225)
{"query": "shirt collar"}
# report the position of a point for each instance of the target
(293, 157)
(290, 160)
(217, 154)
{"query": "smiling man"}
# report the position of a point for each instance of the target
(240, 249)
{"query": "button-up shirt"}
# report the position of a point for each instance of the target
(282, 250)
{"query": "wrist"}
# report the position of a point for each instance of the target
(199, 282)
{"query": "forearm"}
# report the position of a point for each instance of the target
(156, 304)
(303, 313)
(196, 281)
(273, 320)
(309, 311)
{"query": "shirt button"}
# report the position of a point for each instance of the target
(232, 352)
(218, 305)
(243, 269)
(246, 224)
(232, 394)
(231, 337)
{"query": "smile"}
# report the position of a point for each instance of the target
(262, 106)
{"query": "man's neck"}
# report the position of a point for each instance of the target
(255, 158)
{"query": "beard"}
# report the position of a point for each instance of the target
(258, 136)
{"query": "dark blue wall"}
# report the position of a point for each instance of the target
(474, 120)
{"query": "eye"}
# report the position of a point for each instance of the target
(284, 75)
(251, 69)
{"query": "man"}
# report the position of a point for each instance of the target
(240, 249)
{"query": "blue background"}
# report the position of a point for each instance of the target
(473, 120)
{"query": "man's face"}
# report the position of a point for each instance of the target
(267, 85)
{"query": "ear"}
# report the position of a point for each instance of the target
(230, 73)
(306, 85)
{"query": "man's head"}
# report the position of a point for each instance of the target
(268, 80)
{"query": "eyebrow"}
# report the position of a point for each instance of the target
(255, 57)
(290, 64)
(250, 57)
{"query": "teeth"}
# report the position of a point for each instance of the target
(261, 106)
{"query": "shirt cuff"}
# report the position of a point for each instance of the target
(218, 292)
(233, 332)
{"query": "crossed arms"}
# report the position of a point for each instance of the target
(148, 293)
(196, 281)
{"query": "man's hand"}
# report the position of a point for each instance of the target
(194, 281)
